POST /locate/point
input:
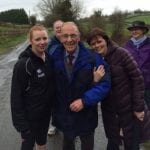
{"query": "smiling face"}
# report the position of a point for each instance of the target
(137, 33)
(99, 45)
(70, 37)
(39, 40)
(57, 28)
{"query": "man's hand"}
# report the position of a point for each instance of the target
(76, 105)
(98, 73)
(139, 115)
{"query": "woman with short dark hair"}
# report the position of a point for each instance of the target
(123, 108)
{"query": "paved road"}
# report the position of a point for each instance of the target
(9, 138)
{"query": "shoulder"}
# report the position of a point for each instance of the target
(121, 51)
(54, 40)
(148, 38)
(57, 50)
(147, 41)
(20, 63)
(25, 65)
(19, 68)
(126, 57)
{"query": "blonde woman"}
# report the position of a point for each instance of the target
(32, 91)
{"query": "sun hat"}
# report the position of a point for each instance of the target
(138, 24)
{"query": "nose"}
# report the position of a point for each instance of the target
(69, 38)
(96, 45)
(42, 41)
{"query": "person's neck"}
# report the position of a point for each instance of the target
(39, 54)
(139, 37)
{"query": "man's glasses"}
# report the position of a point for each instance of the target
(72, 36)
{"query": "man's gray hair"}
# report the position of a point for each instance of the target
(72, 24)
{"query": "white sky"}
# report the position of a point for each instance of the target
(107, 6)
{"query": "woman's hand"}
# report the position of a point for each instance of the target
(98, 73)
(139, 115)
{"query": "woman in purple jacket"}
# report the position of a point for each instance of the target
(139, 46)
(123, 109)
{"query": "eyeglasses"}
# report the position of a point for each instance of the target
(72, 36)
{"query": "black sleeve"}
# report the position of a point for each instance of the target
(18, 85)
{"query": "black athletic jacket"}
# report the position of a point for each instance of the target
(32, 89)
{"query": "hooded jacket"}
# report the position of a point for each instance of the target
(32, 89)
(53, 43)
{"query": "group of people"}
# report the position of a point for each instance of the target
(59, 79)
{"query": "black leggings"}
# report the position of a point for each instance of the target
(87, 142)
(28, 143)
(38, 134)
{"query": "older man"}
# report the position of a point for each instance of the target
(55, 39)
(75, 109)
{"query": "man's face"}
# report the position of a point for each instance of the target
(57, 28)
(99, 45)
(70, 37)
(39, 41)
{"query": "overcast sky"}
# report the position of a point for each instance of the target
(107, 6)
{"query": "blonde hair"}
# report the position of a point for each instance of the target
(35, 28)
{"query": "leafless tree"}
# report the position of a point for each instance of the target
(48, 8)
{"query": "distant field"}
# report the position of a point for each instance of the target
(11, 35)
(10, 42)
(145, 18)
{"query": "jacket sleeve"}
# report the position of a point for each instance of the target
(136, 81)
(19, 82)
(99, 90)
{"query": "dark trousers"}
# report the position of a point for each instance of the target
(87, 142)
(135, 141)
(147, 97)
(28, 143)
(137, 134)
(111, 145)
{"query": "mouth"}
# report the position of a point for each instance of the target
(70, 44)
(100, 49)
(42, 47)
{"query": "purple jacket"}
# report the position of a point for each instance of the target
(142, 57)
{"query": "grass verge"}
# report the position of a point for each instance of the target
(6, 43)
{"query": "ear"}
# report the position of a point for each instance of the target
(61, 39)
(30, 41)
(144, 31)
(79, 39)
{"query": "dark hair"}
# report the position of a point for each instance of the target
(95, 33)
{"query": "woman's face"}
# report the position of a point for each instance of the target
(39, 40)
(99, 45)
(137, 33)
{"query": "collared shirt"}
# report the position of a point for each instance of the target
(75, 54)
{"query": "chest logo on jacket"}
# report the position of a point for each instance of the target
(40, 73)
